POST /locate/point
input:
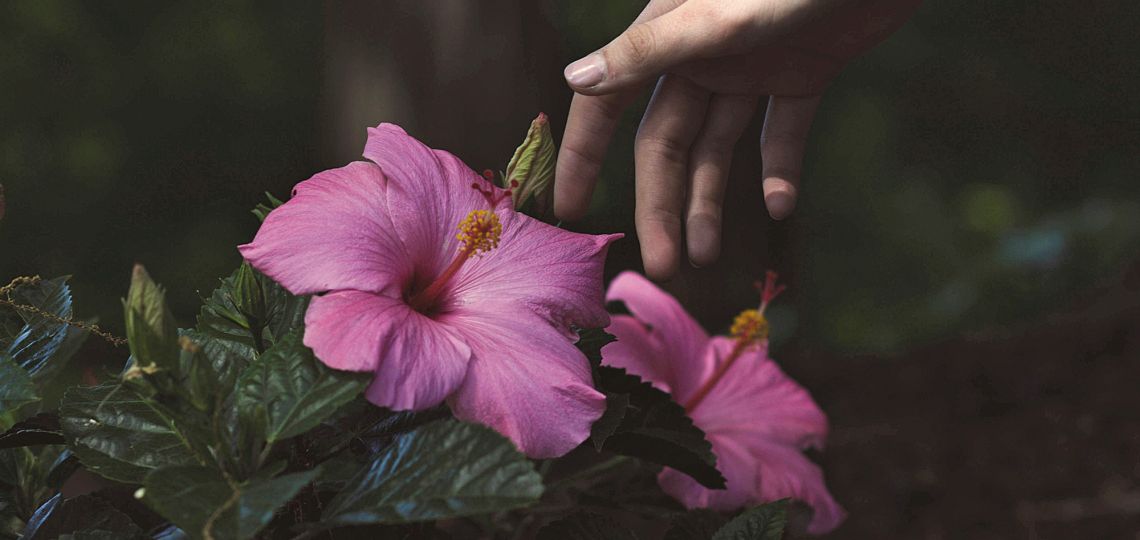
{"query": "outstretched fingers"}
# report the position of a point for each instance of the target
(661, 158)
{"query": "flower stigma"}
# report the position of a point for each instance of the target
(749, 327)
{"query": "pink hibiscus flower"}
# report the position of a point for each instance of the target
(481, 316)
(757, 419)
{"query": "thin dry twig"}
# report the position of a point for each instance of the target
(22, 281)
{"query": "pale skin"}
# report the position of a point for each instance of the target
(712, 60)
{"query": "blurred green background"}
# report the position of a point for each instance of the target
(963, 263)
(976, 170)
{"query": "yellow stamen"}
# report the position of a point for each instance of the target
(479, 232)
(750, 326)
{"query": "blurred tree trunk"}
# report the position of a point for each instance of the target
(461, 75)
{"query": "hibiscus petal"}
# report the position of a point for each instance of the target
(429, 194)
(527, 381)
(553, 272)
(756, 401)
(639, 352)
(671, 325)
(418, 362)
(738, 468)
(784, 472)
(755, 476)
(334, 233)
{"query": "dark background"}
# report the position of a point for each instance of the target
(965, 286)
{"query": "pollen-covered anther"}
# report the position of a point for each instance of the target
(479, 232)
(750, 326)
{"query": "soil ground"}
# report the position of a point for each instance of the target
(1027, 433)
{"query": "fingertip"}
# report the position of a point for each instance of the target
(702, 236)
(586, 73)
(660, 254)
(779, 197)
(660, 270)
(568, 211)
(780, 204)
(571, 199)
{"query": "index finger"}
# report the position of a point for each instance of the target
(589, 128)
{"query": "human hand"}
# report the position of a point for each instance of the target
(712, 60)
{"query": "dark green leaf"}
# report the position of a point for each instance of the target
(151, 330)
(41, 516)
(16, 390)
(286, 391)
(227, 358)
(42, 345)
(586, 526)
(442, 470)
(591, 341)
(656, 429)
(205, 504)
(26, 470)
(119, 434)
(100, 534)
(80, 517)
(760, 523)
(365, 426)
(336, 472)
(263, 209)
(249, 294)
(222, 316)
(61, 469)
(608, 424)
(35, 431)
(698, 524)
(170, 533)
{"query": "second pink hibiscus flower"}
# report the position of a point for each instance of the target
(757, 419)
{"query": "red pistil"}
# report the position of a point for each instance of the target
(768, 291)
(479, 232)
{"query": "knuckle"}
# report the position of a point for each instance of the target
(587, 154)
(668, 148)
(705, 222)
(640, 43)
(716, 144)
(730, 23)
(659, 215)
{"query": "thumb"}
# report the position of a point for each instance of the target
(647, 50)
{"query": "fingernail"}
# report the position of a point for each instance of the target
(586, 72)
(780, 204)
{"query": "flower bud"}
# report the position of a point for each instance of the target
(531, 169)
(151, 330)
